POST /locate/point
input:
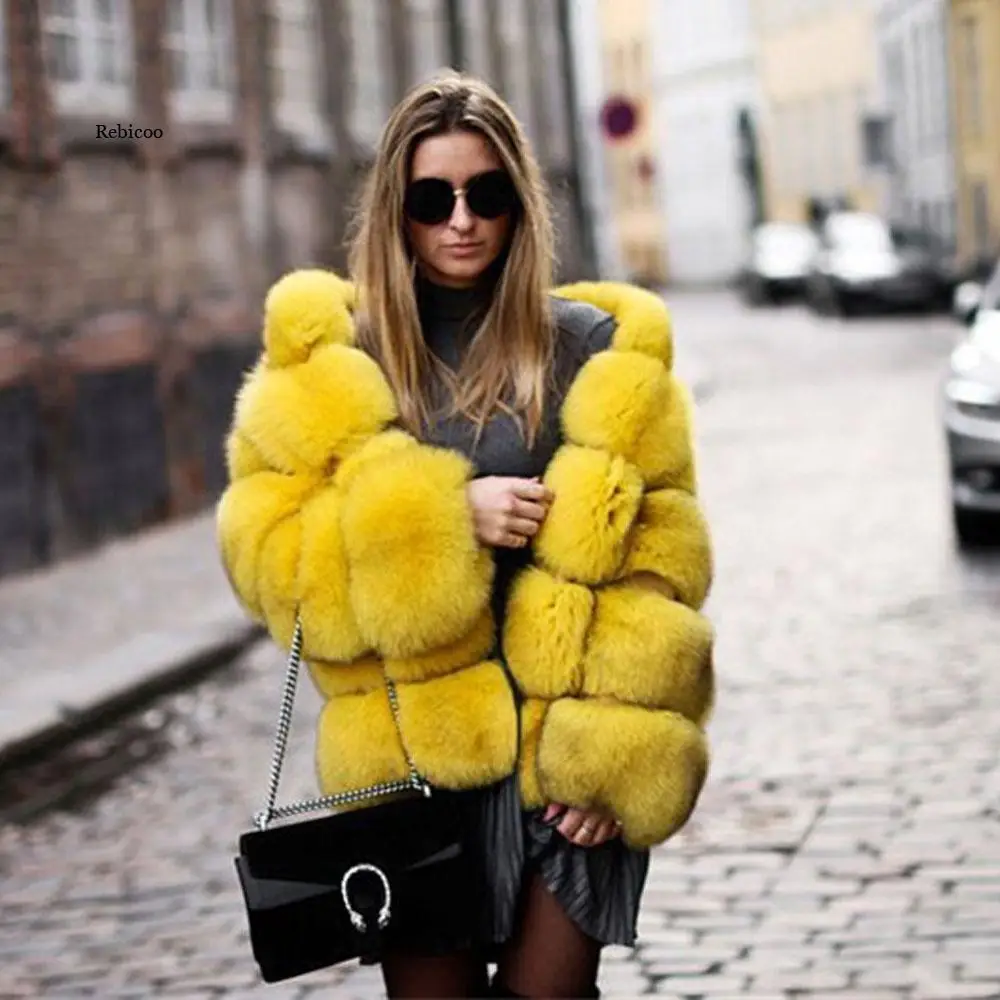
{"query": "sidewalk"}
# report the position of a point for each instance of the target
(92, 636)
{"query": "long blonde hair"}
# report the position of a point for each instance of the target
(509, 358)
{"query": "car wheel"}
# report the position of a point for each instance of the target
(846, 305)
(818, 298)
(756, 293)
(974, 529)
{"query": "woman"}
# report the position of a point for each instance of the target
(486, 492)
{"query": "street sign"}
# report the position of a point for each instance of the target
(619, 117)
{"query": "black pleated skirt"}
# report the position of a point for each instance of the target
(600, 888)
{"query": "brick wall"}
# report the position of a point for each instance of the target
(131, 271)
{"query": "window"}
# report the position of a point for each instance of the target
(932, 83)
(298, 72)
(782, 173)
(981, 218)
(935, 87)
(556, 96)
(973, 79)
(896, 80)
(370, 95)
(618, 73)
(4, 85)
(918, 73)
(200, 47)
(517, 65)
(942, 222)
(88, 54)
(429, 30)
(476, 39)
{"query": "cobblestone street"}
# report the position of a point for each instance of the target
(848, 842)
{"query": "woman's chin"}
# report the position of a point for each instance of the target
(461, 272)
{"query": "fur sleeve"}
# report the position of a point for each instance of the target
(605, 634)
(377, 554)
(330, 511)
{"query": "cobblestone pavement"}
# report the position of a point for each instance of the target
(848, 843)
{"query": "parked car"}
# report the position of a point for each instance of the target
(972, 414)
(863, 262)
(781, 254)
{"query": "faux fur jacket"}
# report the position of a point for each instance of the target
(333, 511)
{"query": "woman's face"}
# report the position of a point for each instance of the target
(456, 251)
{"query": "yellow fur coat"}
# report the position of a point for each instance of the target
(368, 533)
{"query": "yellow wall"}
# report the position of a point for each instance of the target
(974, 39)
(817, 65)
(627, 64)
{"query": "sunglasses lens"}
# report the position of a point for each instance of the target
(429, 201)
(491, 195)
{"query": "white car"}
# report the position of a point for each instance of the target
(781, 254)
(863, 262)
(972, 415)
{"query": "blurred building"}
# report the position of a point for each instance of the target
(704, 81)
(595, 173)
(974, 37)
(822, 114)
(913, 56)
(629, 137)
(161, 161)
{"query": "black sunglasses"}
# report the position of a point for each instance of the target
(431, 200)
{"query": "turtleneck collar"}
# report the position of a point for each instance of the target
(439, 302)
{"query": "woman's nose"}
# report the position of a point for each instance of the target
(461, 217)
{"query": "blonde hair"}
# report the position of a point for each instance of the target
(509, 359)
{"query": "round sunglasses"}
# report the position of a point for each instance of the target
(431, 200)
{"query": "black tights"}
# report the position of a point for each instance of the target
(548, 957)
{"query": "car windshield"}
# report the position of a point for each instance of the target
(859, 232)
(783, 239)
(915, 239)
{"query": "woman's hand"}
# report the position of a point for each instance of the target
(583, 827)
(508, 511)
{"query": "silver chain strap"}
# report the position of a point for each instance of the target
(413, 782)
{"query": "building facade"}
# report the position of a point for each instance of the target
(704, 81)
(820, 96)
(913, 66)
(974, 63)
(629, 139)
(161, 162)
(595, 176)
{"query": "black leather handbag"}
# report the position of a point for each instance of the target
(350, 885)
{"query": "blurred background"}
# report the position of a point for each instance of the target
(813, 186)
(686, 144)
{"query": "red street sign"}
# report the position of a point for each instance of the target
(619, 117)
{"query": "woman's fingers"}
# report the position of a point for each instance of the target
(608, 830)
(522, 526)
(552, 811)
(529, 509)
(571, 823)
(532, 490)
(587, 828)
(512, 541)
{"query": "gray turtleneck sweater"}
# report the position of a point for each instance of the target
(448, 318)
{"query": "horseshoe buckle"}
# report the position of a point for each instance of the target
(357, 919)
